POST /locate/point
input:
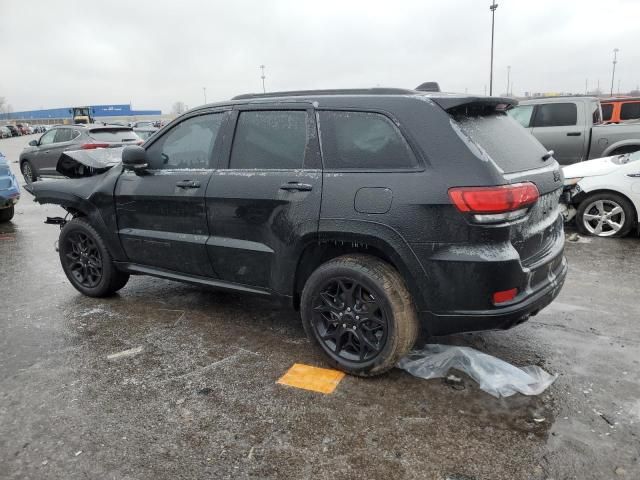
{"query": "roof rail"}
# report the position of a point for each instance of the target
(313, 93)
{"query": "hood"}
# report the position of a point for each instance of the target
(86, 163)
(591, 168)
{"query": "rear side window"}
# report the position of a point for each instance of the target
(113, 135)
(499, 136)
(364, 141)
(267, 139)
(630, 111)
(607, 111)
(522, 114)
(556, 115)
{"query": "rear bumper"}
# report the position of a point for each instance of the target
(500, 318)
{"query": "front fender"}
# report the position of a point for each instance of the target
(91, 197)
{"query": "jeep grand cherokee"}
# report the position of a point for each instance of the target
(373, 211)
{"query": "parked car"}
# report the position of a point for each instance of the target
(24, 128)
(40, 157)
(5, 132)
(9, 190)
(411, 208)
(604, 195)
(618, 110)
(15, 131)
(572, 127)
(145, 132)
(143, 124)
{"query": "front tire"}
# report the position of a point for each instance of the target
(86, 261)
(28, 172)
(605, 214)
(6, 214)
(358, 311)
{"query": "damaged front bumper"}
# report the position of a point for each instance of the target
(567, 204)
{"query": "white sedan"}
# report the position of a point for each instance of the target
(603, 194)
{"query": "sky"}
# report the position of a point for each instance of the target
(152, 53)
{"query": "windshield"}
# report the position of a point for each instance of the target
(627, 158)
(500, 137)
(114, 135)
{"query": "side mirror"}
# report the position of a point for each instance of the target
(134, 157)
(33, 143)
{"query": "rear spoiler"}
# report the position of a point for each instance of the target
(453, 104)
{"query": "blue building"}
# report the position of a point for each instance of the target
(64, 113)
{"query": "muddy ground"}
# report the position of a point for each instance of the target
(201, 399)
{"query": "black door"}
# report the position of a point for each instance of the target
(161, 213)
(267, 202)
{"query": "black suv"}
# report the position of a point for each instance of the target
(374, 212)
(40, 157)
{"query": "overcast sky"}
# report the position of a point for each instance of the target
(153, 53)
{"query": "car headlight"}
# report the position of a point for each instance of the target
(572, 181)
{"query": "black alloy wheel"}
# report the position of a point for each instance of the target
(357, 310)
(83, 259)
(349, 319)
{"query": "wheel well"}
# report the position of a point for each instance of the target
(318, 253)
(585, 195)
(625, 149)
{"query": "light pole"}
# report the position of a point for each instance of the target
(204, 91)
(492, 7)
(508, 78)
(613, 72)
(262, 67)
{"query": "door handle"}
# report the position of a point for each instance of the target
(300, 187)
(188, 184)
(574, 134)
(633, 175)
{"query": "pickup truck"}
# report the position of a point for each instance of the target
(572, 127)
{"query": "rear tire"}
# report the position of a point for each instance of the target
(28, 172)
(605, 214)
(86, 261)
(6, 214)
(358, 311)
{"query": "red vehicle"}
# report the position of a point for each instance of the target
(24, 128)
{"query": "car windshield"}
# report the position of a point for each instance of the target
(627, 158)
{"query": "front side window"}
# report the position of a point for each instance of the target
(630, 111)
(607, 111)
(522, 114)
(188, 145)
(269, 139)
(48, 137)
(556, 115)
(363, 140)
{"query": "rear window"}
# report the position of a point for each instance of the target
(511, 147)
(114, 135)
(607, 111)
(630, 111)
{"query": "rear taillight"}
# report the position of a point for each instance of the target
(495, 204)
(92, 146)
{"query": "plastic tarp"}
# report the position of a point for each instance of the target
(495, 376)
